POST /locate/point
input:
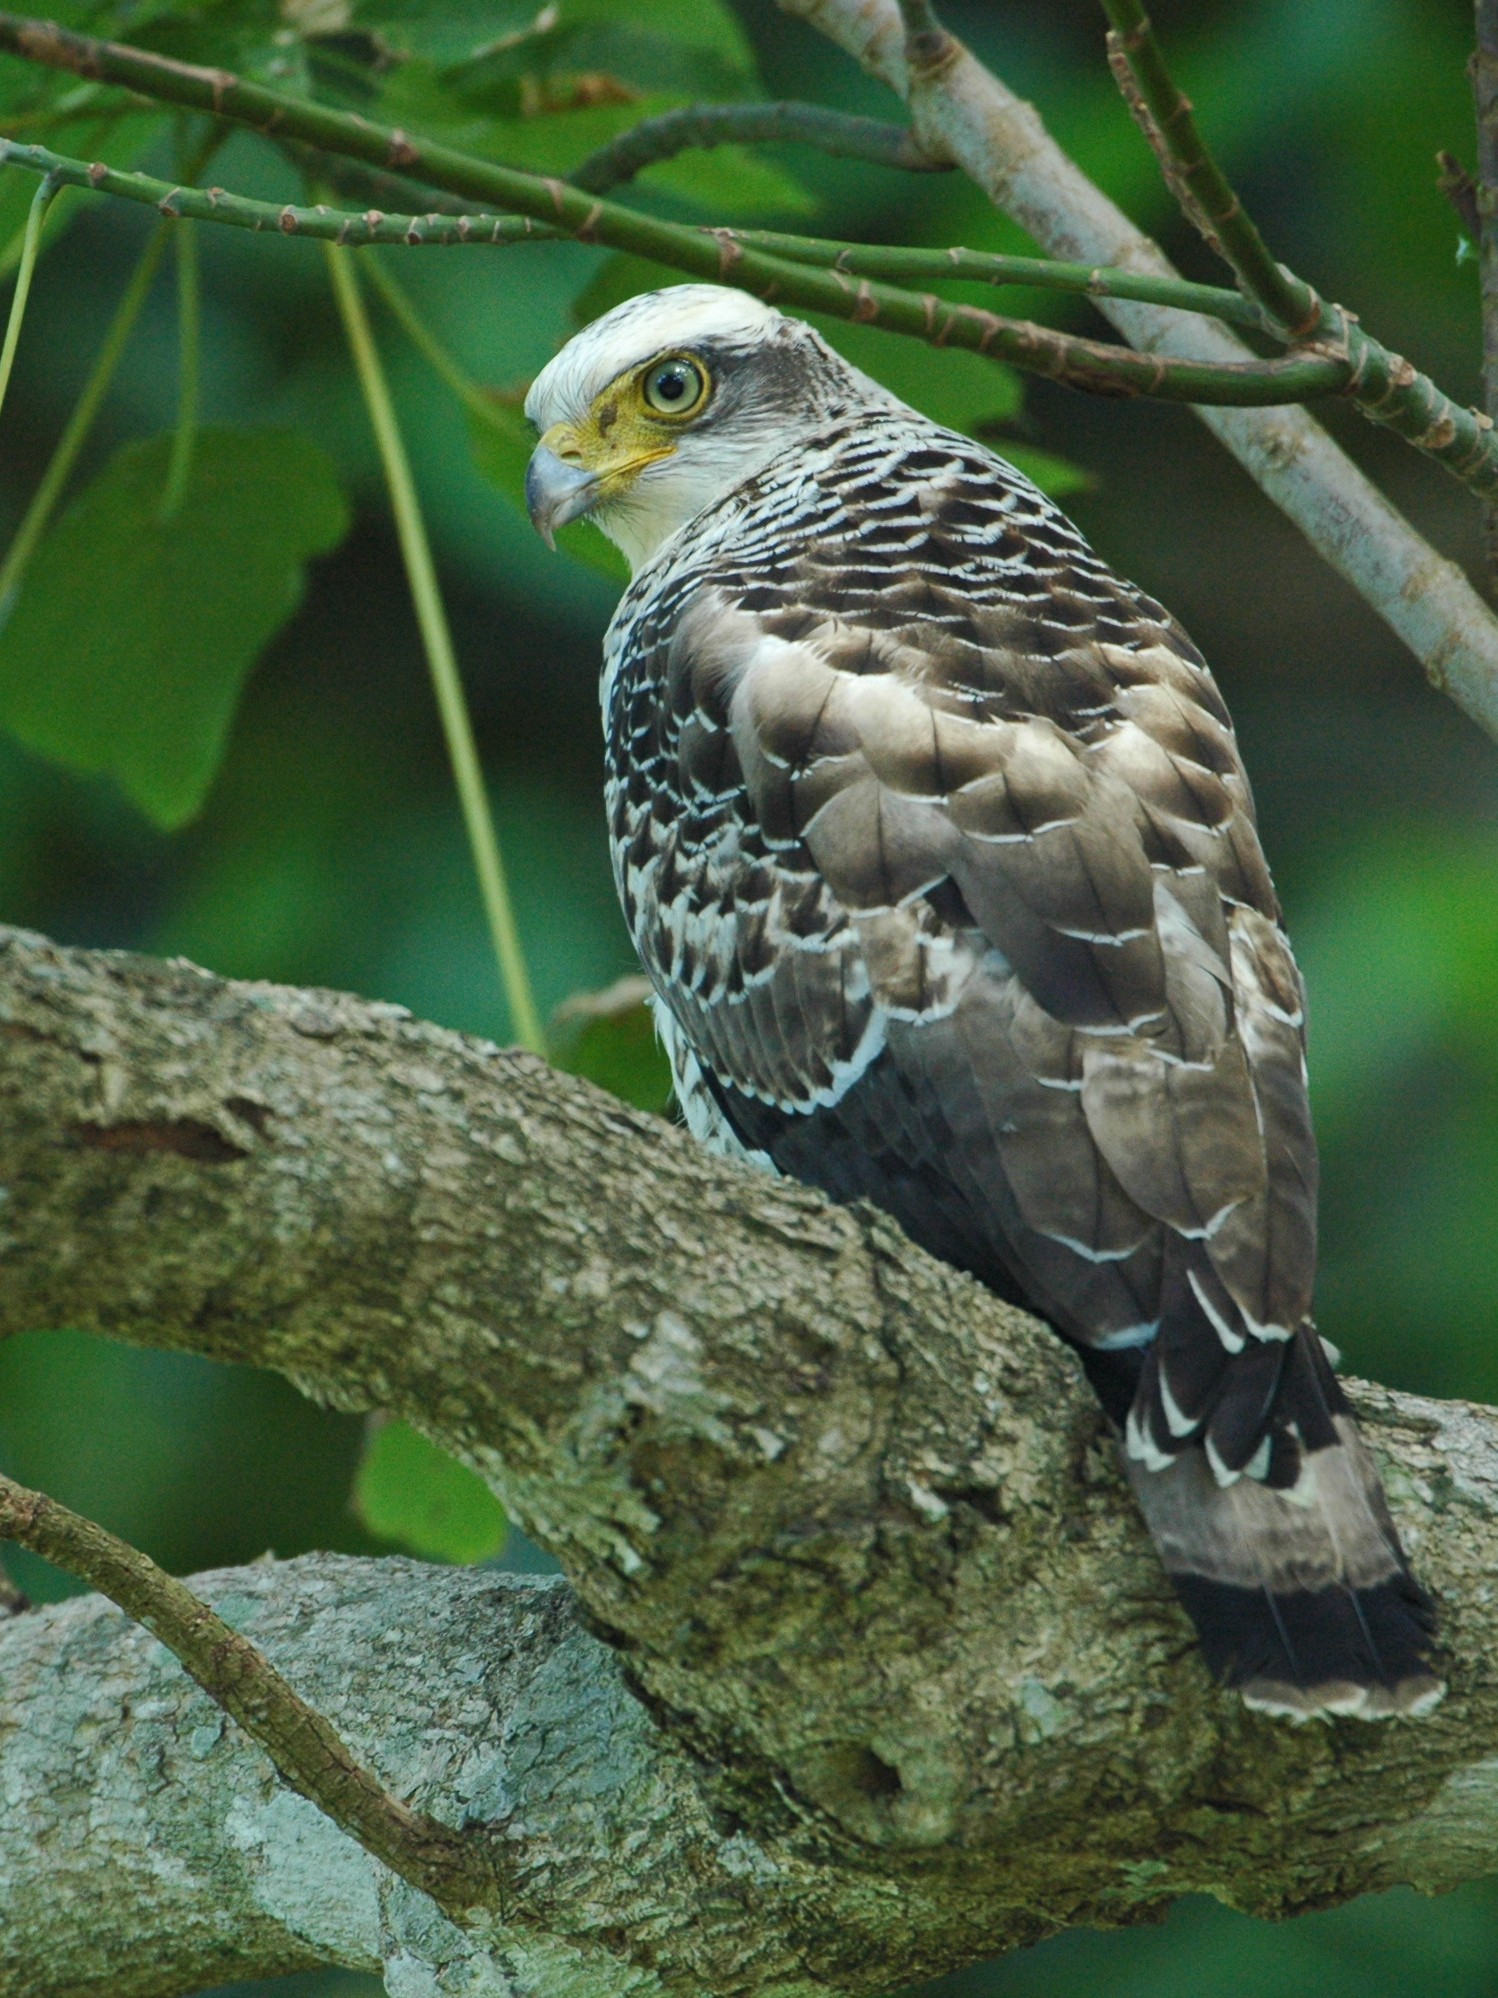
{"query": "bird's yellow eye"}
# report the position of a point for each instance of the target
(676, 387)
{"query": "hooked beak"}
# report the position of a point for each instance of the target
(556, 492)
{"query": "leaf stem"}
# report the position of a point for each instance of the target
(41, 201)
(189, 343)
(437, 639)
(398, 301)
(75, 434)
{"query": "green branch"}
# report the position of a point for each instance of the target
(460, 1870)
(1342, 359)
(1094, 365)
(442, 660)
(455, 222)
(701, 126)
(878, 260)
(1385, 386)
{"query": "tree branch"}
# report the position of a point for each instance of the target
(855, 1526)
(836, 133)
(1093, 365)
(1385, 386)
(1341, 360)
(462, 1871)
(1002, 144)
(481, 1694)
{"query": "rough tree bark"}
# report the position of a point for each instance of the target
(893, 1680)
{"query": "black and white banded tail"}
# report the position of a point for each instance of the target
(1273, 1526)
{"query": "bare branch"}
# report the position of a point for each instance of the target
(461, 1871)
(856, 1526)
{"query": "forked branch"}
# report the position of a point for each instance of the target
(462, 1871)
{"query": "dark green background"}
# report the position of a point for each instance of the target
(330, 849)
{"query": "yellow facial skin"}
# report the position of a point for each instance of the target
(578, 467)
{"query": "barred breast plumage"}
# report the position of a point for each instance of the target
(933, 836)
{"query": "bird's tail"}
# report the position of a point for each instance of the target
(1279, 1541)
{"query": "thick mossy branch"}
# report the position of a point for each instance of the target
(462, 1872)
(856, 1527)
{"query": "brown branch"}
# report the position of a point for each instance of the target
(461, 1871)
(857, 1527)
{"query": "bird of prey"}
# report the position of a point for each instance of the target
(935, 842)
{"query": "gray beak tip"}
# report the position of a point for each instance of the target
(556, 492)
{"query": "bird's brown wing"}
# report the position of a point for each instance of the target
(943, 859)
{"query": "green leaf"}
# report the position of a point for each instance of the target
(132, 636)
(729, 183)
(502, 445)
(609, 1037)
(1055, 476)
(409, 1491)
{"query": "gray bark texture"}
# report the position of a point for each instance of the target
(866, 1668)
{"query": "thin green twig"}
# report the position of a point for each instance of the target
(881, 260)
(588, 218)
(189, 331)
(41, 201)
(467, 222)
(694, 126)
(75, 434)
(437, 639)
(1341, 359)
(1199, 184)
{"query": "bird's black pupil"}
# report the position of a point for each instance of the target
(671, 384)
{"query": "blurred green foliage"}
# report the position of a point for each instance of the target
(326, 846)
(411, 1493)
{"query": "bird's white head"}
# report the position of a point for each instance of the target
(667, 404)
